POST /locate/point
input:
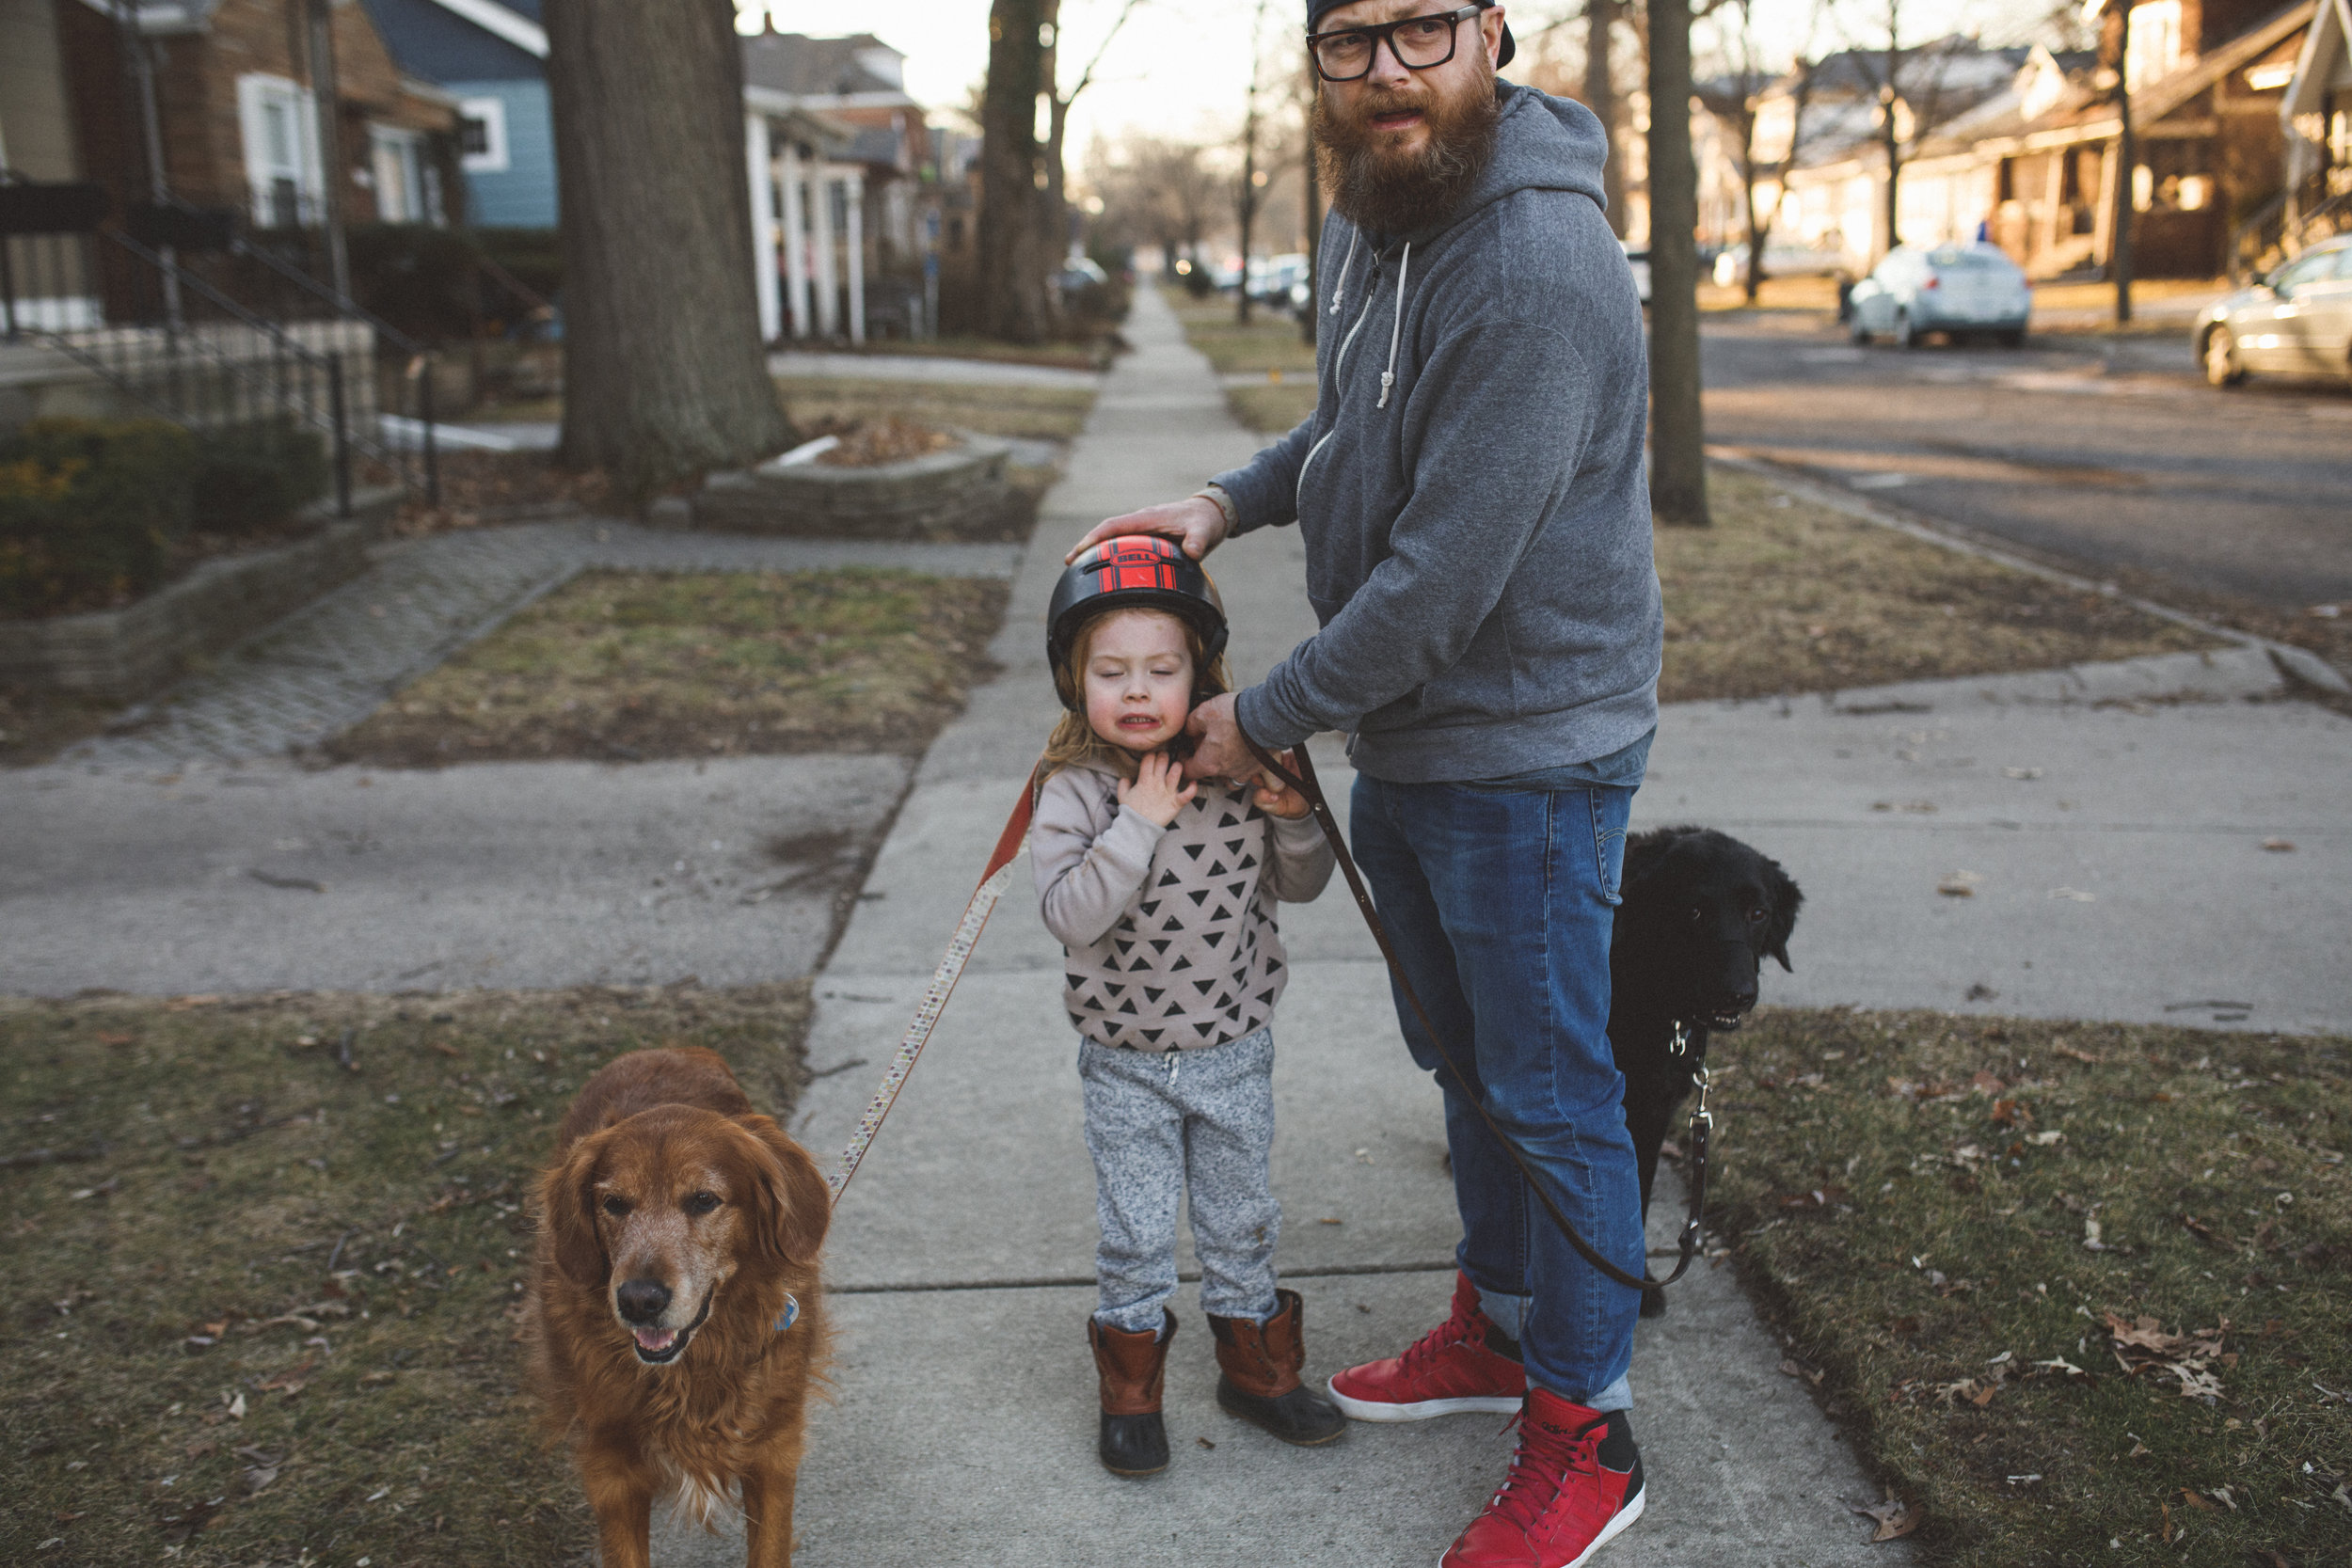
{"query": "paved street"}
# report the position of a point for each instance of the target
(2109, 454)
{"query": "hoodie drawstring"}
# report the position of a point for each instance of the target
(1340, 288)
(1397, 327)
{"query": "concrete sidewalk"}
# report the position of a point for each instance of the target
(962, 1259)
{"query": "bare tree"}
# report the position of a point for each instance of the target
(664, 371)
(1055, 216)
(1600, 96)
(1013, 305)
(1914, 98)
(1732, 98)
(1161, 192)
(1247, 191)
(1677, 429)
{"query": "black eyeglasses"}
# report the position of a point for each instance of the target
(1419, 43)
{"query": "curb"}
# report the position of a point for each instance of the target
(2296, 665)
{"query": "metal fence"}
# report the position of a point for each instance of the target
(123, 302)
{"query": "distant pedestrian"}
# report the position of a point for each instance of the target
(1471, 496)
(1163, 895)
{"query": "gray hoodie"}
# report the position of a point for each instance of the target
(1471, 484)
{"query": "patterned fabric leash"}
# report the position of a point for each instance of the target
(992, 884)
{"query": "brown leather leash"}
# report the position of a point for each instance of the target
(1702, 1119)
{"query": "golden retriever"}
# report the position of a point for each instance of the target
(674, 1320)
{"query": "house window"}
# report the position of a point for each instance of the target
(279, 123)
(2156, 42)
(482, 134)
(397, 159)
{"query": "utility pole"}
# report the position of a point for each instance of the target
(1251, 180)
(2126, 161)
(321, 19)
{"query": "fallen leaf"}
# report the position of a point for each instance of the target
(2280, 846)
(1987, 1084)
(236, 1406)
(1984, 1396)
(1894, 1520)
(2198, 1503)
(2079, 1055)
(2046, 1140)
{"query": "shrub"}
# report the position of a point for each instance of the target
(88, 512)
(252, 477)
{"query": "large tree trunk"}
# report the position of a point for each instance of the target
(665, 372)
(1677, 435)
(1012, 274)
(1600, 96)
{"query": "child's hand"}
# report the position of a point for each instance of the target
(1277, 799)
(1159, 791)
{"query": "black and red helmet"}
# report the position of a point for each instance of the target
(1136, 571)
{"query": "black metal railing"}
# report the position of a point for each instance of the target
(172, 341)
(2288, 223)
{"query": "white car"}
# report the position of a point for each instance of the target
(1639, 262)
(1957, 289)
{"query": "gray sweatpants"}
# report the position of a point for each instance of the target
(1161, 1127)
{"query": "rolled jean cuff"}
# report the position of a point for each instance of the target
(1617, 1395)
(1507, 1313)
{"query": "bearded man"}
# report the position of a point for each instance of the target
(1471, 495)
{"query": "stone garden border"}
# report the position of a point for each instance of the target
(918, 497)
(123, 654)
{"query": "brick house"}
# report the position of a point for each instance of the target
(236, 100)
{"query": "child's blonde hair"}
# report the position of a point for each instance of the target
(1075, 740)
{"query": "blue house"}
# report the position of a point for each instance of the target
(491, 55)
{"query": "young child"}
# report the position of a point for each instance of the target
(1163, 894)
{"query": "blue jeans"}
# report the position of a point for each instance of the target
(1499, 904)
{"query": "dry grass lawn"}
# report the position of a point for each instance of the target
(1781, 595)
(629, 666)
(1269, 342)
(266, 1261)
(2079, 1293)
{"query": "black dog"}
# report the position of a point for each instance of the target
(1701, 912)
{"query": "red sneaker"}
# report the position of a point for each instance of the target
(1574, 1483)
(1447, 1371)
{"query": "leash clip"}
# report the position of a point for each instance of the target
(1681, 1044)
(1705, 1078)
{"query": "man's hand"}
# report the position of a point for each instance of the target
(1196, 523)
(1157, 793)
(1219, 751)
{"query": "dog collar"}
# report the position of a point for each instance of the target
(791, 1313)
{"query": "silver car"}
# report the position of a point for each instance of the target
(2297, 321)
(1953, 289)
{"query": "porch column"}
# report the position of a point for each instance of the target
(854, 186)
(2054, 202)
(2103, 232)
(763, 227)
(828, 272)
(795, 240)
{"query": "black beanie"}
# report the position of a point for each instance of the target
(1316, 8)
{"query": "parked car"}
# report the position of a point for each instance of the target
(1639, 262)
(1079, 277)
(1782, 259)
(2297, 321)
(1957, 289)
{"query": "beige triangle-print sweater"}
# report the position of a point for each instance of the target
(1169, 934)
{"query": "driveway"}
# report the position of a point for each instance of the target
(2109, 454)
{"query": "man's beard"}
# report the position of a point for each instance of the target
(1386, 193)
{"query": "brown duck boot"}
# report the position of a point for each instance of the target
(1133, 1440)
(1261, 1385)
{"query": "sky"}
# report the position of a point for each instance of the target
(1181, 68)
